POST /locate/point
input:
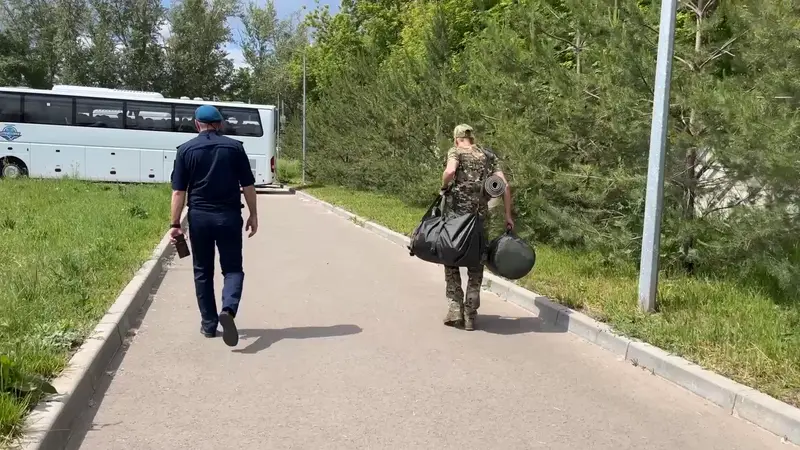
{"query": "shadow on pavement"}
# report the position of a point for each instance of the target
(265, 338)
(515, 325)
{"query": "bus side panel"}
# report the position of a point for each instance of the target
(259, 168)
(269, 125)
(257, 165)
(152, 165)
(169, 164)
(114, 164)
(57, 161)
(17, 150)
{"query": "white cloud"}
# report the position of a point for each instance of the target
(236, 55)
(86, 42)
(165, 31)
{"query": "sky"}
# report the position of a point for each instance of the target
(285, 8)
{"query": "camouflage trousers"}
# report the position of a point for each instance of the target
(465, 306)
(461, 305)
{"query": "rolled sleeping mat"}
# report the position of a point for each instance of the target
(494, 186)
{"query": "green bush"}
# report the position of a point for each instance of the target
(289, 171)
(562, 91)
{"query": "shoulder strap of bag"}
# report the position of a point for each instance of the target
(490, 155)
(488, 152)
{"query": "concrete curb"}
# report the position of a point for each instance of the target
(49, 425)
(753, 406)
(275, 190)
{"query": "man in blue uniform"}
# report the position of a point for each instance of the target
(211, 168)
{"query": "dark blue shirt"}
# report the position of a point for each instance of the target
(211, 168)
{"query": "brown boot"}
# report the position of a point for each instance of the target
(454, 317)
(469, 322)
(472, 302)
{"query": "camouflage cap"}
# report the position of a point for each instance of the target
(463, 131)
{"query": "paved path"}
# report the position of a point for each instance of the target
(342, 348)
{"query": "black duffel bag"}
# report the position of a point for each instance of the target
(448, 239)
(510, 257)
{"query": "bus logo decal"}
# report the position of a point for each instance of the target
(9, 133)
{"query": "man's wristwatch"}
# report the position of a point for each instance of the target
(175, 225)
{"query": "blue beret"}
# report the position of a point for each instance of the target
(207, 114)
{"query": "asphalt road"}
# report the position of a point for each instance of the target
(342, 347)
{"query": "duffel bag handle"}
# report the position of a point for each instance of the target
(438, 203)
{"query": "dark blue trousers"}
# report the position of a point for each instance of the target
(222, 229)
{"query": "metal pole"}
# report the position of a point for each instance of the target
(278, 113)
(651, 236)
(304, 117)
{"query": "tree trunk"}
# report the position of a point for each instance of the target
(692, 182)
(578, 51)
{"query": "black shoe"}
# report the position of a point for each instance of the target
(230, 335)
(208, 334)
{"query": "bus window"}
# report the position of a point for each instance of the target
(242, 122)
(149, 116)
(95, 112)
(48, 110)
(10, 107)
(184, 119)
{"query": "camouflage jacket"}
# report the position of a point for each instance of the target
(466, 193)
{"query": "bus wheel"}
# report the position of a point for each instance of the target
(12, 168)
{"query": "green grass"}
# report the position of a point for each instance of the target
(737, 332)
(290, 171)
(68, 248)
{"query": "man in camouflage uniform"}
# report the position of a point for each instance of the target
(468, 165)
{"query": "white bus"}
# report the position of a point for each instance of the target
(114, 135)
